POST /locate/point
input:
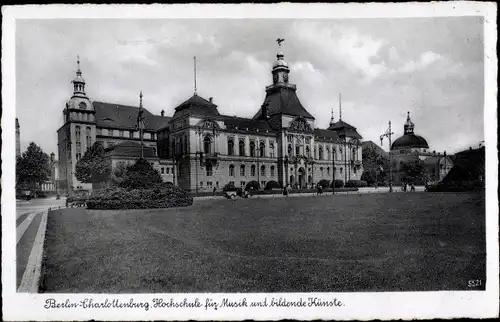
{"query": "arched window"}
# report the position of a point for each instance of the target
(77, 132)
(186, 146)
(271, 150)
(328, 170)
(297, 150)
(181, 146)
(308, 152)
(262, 149)
(89, 137)
(272, 171)
(252, 170)
(207, 144)
(231, 170)
(327, 153)
(289, 150)
(242, 170)
(230, 147)
(321, 153)
(321, 170)
(263, 170)
(252, 148)
(242, 147)
(154, 152)
(209, 169)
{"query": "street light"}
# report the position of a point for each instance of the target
(333, 170)
(388, 133)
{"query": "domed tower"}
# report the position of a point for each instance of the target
(280, 70)
(410, 142)
(78, 132)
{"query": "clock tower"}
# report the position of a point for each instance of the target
(77, 134)
(280, 70)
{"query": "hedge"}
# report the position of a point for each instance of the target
(324, 183)
(338, 183)
(252, 184)
(161, 196)
(356, 184)
(272, 185)
(455, 186)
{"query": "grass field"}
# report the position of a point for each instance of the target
(379, 242)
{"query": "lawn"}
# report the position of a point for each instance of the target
(370, 242)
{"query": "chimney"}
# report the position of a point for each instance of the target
(211, 99)
(162, 113)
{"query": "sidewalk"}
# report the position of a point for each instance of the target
(360, 191)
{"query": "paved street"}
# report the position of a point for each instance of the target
(31, 218)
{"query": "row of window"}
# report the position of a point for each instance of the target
(166, 170)
(253, 169)
(123, 133)
(82, 116)
(261, 152)
(88, 140)
(321, 154)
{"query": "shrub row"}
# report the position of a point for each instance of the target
(455, 186)
(356, 184)
(161, 196)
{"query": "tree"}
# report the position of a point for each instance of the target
(414, 171)
(141, 175)
(118, 174)
(93, 167)
(374, 166)
(32, 168)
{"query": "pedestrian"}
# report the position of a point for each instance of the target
(285, 190)
(251, 191)
(412, 187)
(215, 190)
(320, 190)
(317, 189)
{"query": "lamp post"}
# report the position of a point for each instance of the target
(388, 133)
(333, 170)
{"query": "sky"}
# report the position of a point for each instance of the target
(384, 67)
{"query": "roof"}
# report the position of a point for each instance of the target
(468, 165)
(321, 133)
(343, 128)
(197, 106)
(370, 145)
(283, 100)
(158, 122)
(121, 116)
(410, 141)
(240, 123)
(130, 149)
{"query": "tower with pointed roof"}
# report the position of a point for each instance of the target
(77, 133)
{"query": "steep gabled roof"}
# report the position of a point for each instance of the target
(244, 124)
(130, 149)
(342, 128)
(196, 106)
(370, 145)
(119, 116)
(321, 133)
(283, 100)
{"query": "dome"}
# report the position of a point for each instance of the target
(78, 79)
(280, 62)
(410, 141)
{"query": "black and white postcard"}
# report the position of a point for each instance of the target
(249, 161)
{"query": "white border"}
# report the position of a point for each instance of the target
(362, 306)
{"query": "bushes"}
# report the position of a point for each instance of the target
(324, 183)
(455, 186)
(252, 184)
(356, 184)
(161, 196)
(229, 187)
(141, 175)
(338, 184)
(272, 185)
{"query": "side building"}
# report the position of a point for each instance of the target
(200, 149)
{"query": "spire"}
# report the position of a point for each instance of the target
(140, 99)
(195, 76)
(332, 121)
(340, 107)
(409, 126)
(78, 81)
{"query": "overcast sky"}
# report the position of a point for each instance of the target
(432, 67)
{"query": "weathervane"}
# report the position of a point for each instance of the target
(279, 41)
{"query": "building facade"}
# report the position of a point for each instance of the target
(200, 149)
(410, 148)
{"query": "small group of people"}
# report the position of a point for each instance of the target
(286, 190)
(410, 185)
(319, 190)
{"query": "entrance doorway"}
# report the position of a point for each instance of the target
(302, 177)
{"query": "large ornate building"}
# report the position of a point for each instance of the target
(200, 149)
(411, 147)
